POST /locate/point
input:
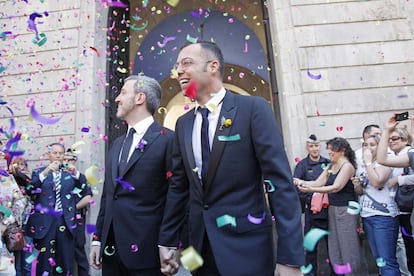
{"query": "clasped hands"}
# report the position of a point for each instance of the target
(169, 259)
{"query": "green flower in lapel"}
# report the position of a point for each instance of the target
(141, 145)
(225, 123)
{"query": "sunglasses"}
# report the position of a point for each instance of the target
(394, 138)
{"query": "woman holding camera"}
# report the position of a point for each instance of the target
(378, 209)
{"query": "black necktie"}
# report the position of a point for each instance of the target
(125, 151)
(205, 145)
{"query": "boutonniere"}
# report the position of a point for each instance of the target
(141, 145)
(225, 123)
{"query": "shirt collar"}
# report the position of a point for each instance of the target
(142, 125)
(214, 102)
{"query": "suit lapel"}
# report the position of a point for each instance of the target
(115, 159)
(188, 143)
(150, 136)
(228, 111)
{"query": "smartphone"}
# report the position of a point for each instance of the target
(402, 116)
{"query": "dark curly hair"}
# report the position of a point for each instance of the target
(341, 144)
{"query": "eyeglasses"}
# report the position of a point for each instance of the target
(185, 63)
(394, 138)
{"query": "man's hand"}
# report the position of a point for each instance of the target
(284, 270)
(94, 258)
(169, 261)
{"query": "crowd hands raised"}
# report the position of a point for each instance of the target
(362, 186)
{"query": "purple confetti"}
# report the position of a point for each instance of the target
(90, 228)
(43, 120)
(125, 184)
(255, 220)
(315, 77)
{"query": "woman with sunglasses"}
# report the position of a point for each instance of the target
(399, 141)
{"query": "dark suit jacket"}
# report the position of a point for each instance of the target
(236, 173)
(136, 215)
(39, 222)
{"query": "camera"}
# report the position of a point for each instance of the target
(363, 180)
(62, 166)
(401, 116)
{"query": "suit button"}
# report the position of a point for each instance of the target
(205, 206)
(115, 197)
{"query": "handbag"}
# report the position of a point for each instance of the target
(404, 197)
(14, 237)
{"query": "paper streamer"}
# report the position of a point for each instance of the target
(190, 259)
(342, 269)
(231, 138)
(90, 228)
(125, 184)
(225, 220)
(271, 188)
(306, 269)
(353, 208)
(35, 115)
(380, 262)
(32, 257)
(6, 211)
(90, 175)
(314, 77)
(255, 220)
(312, 237)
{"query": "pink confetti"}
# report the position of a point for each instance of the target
(342, 269)
(134, 248)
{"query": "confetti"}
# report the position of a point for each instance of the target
(314, 77)
(190, 259)
(405, 233)
(109, 251)
(312, 237)
(191, 91)
(306, 269)
(95, 50)
(90, 175)
(134, 248)
(271, 187)
(255, 220)
(143, 27)
(353, 208)
(342, 269)
(231, 138)
(125, 184)
(225, 220)
(35, 115)
(380, 262)
(173, 3)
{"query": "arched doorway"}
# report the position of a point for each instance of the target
(155, 31)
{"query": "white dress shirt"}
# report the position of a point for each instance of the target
(140, 128)
(214, 106)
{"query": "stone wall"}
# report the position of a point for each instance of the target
(362, 51)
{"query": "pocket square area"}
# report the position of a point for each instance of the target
(230, 138)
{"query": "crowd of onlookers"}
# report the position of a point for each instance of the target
(361, 189)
